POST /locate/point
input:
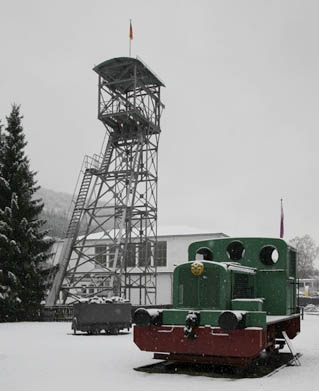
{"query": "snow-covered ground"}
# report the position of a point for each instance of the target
(47, 356)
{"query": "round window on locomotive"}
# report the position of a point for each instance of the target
(235, 250)
(269, 255)
(204, 254)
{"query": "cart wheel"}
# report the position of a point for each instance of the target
(74, 325)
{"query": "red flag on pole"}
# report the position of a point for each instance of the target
(131, 31)
(281, 221)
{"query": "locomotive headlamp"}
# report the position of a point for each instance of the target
(197, 268)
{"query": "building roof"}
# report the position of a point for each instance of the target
(167, 232)
(120, 72)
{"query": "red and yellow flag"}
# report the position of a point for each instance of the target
(131, 31)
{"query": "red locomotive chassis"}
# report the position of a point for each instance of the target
(211, 343)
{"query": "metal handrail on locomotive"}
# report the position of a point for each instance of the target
(232, 300)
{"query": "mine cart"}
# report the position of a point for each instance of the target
(92, 317)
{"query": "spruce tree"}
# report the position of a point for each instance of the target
(23, 243)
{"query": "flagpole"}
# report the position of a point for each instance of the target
(281, 219)
(130, 38)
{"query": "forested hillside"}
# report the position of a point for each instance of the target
(55, 211)
(56, 206)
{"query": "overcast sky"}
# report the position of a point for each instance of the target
(240, 129)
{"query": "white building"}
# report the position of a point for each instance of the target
(172, 251)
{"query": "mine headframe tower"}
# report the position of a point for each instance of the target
(116, 199)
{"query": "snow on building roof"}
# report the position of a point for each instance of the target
(164, 232)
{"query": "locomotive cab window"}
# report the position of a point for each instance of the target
(243, 286)
(204, 254)
(235, 250)
(269, 255)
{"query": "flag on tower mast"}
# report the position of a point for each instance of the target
(131, 35)
(281, 220)
(131, 30)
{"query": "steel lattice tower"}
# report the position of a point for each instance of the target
(116, 198)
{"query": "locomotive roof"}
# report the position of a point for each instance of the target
(251, 239)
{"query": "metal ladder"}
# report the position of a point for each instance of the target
(70, 236)
(79, 204)
(107, 157)
(73, 227)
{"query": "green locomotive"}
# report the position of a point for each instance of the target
(233, 299)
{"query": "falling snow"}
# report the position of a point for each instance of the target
(47, 356)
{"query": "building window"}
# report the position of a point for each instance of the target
(130, 259)
(100, 255)
(101, 285)
(144, 254)
(160, 255)
(111, 255)
(91, 289)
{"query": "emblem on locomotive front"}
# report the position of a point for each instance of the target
(197, 268)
